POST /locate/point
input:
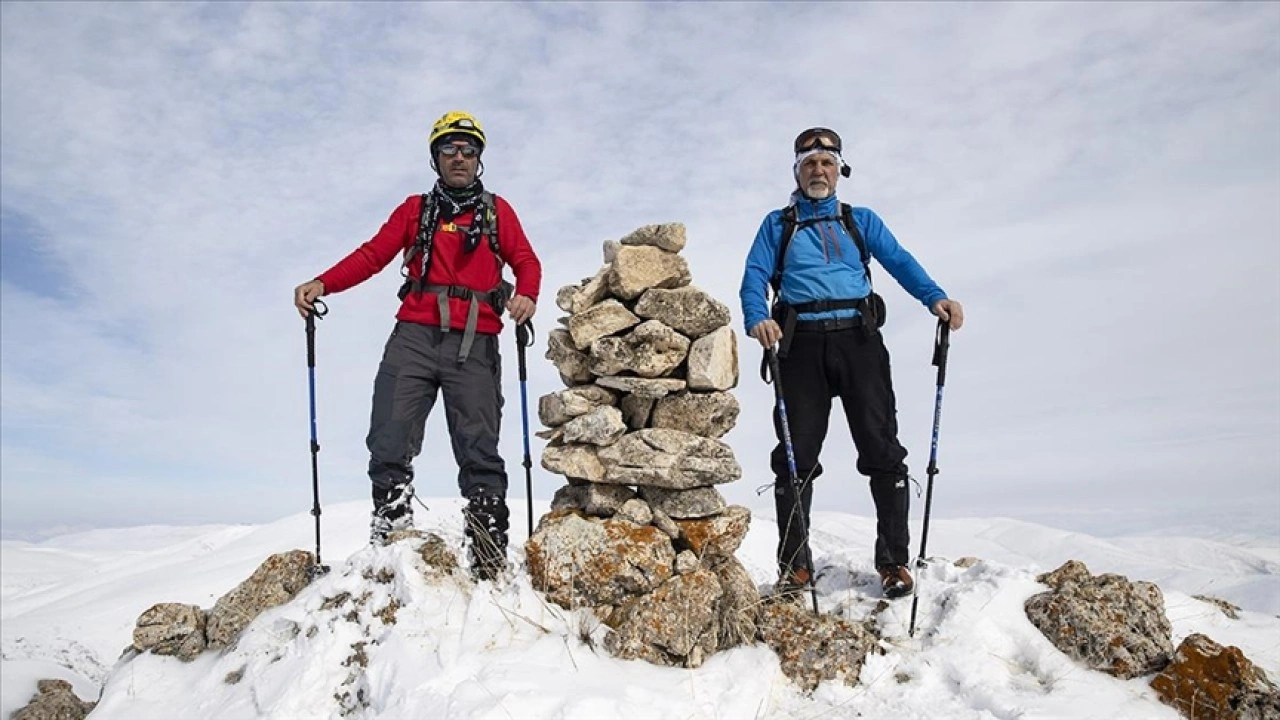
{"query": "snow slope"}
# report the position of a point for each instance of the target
(456, 650)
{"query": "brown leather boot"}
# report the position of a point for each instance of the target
(895, 581)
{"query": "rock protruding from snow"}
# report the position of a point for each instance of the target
(54, 700)
(171, 629)
(1207, 681)
(185, 631)
(1104, 621)
(276, 581)
(582, 561)
(813, 648)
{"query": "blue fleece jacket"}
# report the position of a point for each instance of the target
(822, 262)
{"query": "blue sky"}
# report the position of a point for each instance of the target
(1095, 182)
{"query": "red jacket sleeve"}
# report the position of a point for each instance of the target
(517, 252)
(364, 262)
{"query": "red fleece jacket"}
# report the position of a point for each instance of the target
(449, 264)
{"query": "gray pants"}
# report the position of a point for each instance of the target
(419, 362)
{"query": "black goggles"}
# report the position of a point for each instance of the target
(468, 151)
(817, 139)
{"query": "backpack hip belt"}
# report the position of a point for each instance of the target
(496, 298)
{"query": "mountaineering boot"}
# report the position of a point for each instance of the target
(895, 580)
(792, 582)
(485, 521)
(392, 512)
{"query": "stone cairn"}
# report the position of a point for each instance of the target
(640, 534)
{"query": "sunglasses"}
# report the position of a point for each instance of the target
(468, 151)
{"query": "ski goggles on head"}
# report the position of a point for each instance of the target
(463, 123)
(468, 151)
(818, 138)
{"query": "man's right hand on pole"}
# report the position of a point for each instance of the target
(767, 333)
(305, 294)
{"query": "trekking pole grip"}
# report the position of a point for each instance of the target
(318, 310)
(524, 339)
(941, 344)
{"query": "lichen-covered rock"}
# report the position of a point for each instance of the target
(573, 461)
(600, 320)
(675, 625)
(709, 414)
(670, 459)
(636, 410)
(1230, 610)
(638, 268)
(54, 700)
(690, 311)
(1206, 681)
(276, 581)
(651, 388)
(651, 350)
(663, 522)
(686, 562)
(739, 603)
(593, 498)
(668, 236)
(572, 363)
(635, 510)
(560, 407)
(437, 556)
(609, 250)
(812, 648)
(1106, 622)
(698, 502)
(713, 361)
(601, 426)
(718, 537)
(171, 629)
(578, 561)
(588, 294)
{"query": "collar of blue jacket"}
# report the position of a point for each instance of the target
(807, 208)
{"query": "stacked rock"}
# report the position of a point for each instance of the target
(648, 360)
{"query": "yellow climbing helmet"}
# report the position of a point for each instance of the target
(457, 122)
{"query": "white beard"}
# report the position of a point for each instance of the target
(818, 191)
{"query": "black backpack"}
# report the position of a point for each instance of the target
(870, 307)
(486, 216)
(486, 213)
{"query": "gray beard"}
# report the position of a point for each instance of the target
(817, 192)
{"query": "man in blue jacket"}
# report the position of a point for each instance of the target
(825, 322)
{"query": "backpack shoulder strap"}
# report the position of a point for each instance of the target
(487, 216)
(788, 232)
(846, 217)
(423, 235)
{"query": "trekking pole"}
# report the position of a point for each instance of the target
(524, 339)
(941, 343)
(791, 468)
(319, 310)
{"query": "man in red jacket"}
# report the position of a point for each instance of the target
(454, 240)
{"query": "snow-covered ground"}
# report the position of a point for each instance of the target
(68, 606)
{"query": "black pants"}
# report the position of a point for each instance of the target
(419, 362)
(852, 365)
